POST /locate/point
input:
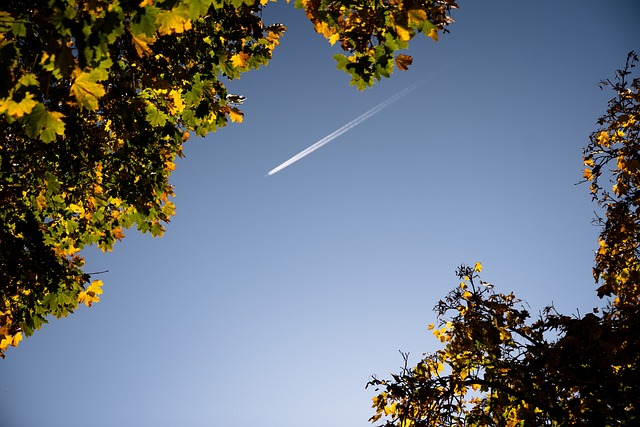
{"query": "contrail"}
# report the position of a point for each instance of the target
(353, 123)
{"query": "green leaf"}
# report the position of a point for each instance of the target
(145, 23)
(44, 124)
(198, 8)
(155, 117)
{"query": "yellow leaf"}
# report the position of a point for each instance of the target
(90, 295)
(76, 208)
(334, 38)
(41, 201)
(86, 88)
(416, 16)
(324, 29)
(466, 294)
(176, 20)
(477, 267)
(433, 34)
(236, 115)
(17, 109)
(141, 43)
(588, 175)
(403, 33)
(239, 59)
(603, 139)
(177, 103)
(16, 339)
(4, 343)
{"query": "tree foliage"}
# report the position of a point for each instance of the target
(501, 366)
(97, 98)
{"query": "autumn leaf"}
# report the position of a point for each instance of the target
(433, 33)
(86, 89)
(416, 16)
(236, 115)
(141, 43)
(403, 33)
(587, 174)
(403, 62)
(176, 20)
(91, 294)
(41, 201)
(477, 267)
(17, 109)
(239, 59)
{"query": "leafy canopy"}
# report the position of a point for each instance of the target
(500, 367)
(97, 98)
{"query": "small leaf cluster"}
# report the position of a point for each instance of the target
(613, 155)
(372, 32)
(500, 367)
(96, 101)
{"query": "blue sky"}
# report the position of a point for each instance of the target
(271, 300)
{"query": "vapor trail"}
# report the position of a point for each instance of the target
(347, 127)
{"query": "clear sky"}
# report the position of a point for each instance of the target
(271, 300)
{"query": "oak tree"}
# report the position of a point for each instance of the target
(502, 366)
(97, 98)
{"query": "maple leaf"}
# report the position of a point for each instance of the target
(403, 33)
(86, 89)
(90, 295)
(403, 62)
(199, 7)
(17, 109)
(416, 16)
(41, 201)
(176, 20)
(155, 117)
(239, 59)
(141, 43)
(44, 124)
(236, 115)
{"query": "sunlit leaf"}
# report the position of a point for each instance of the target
(86, 89)
(176, 20)
(236, 115)
(17, 109)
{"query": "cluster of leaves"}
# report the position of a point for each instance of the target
(614, 153)
(96, 100)
(371, 32)
(500, 367)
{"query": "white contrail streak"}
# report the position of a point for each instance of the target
(353, 123)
